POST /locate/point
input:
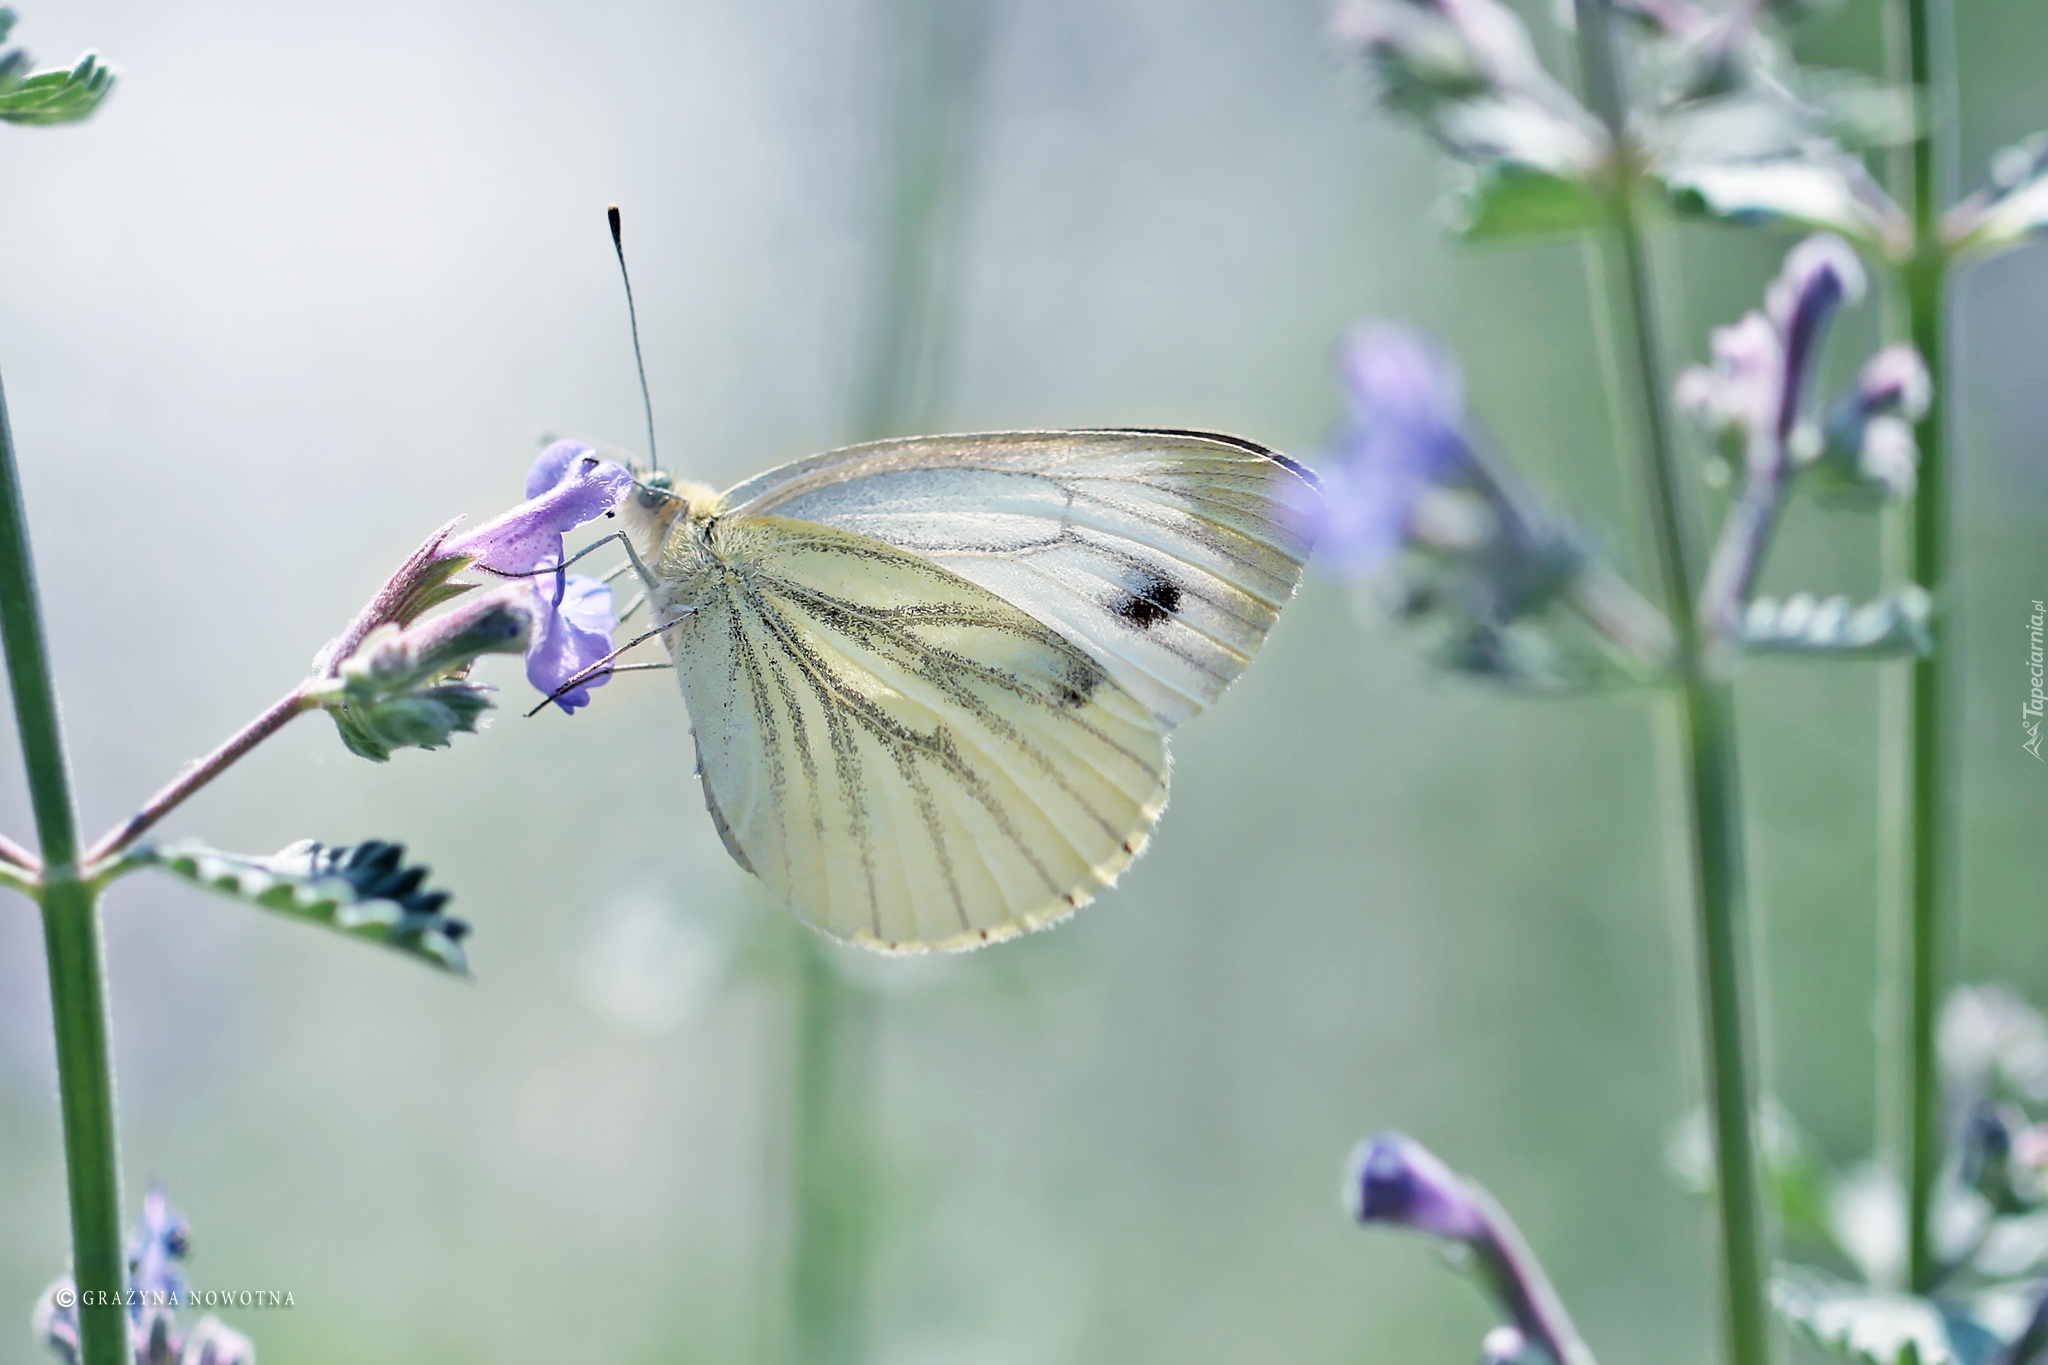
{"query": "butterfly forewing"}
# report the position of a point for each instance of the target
(907, 759)
(1165, 555)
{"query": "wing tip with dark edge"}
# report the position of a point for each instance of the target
(1286, 462)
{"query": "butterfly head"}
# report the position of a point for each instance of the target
(654, 505)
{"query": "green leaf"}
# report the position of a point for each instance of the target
(1822, 189)
(1893, 626)
(1862, 1324)
(1505, 200)
(51, 97)
(433, 585)
(375, 727)
(366, 891)
(2012, 208)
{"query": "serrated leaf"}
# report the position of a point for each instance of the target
(52, 97)
(1862, 1324)
(1506, 200)
(1890, 627)
(366, 891)
(1823, 189)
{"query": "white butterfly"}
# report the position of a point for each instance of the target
(931, 680)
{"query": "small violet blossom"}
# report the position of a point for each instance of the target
(1405, 436)
(1412, 502)
(1755, 395)
(160, 1245)
(1396, 1180)
(567, 487)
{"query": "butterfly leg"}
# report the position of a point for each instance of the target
(603, 667)
(633, 557)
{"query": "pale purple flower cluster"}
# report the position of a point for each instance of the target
(1405, 436)
(567, 487)
(1412, 502)
(157, 1290)
(1755, 396)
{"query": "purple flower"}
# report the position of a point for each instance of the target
(162, 1240)
(155, 1336)
(567, 486)
(1754, 393)
(1396, 1180)
(574, 635)
(1405, 436)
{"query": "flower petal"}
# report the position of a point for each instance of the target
(529, 536)
(572, 637)
(1396, 1180)
(554, 463)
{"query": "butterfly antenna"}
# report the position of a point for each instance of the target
(611, 214)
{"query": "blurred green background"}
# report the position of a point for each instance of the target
(319, 277)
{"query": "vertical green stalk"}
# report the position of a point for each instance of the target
(838, 1028)
(939, 48)
(1707, 724)
(71, 937)
(1921, 52)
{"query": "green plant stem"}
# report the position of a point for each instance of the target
(939, 47)
(1707, 724)
(1929, 916)
(71, 936)
(838, 1026)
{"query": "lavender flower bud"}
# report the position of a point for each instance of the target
(1738, 394)
(1867, 455)
(1398, 1181)
(1752, 397)
(1410, 502)
(1820, 275)
(161, 1241)
(1895, 380)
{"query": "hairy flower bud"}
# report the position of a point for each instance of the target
(406, 686)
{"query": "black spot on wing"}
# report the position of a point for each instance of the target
(1147, 599)
(1076, 684)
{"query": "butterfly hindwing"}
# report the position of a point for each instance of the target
(1165, 555)
(905, 758)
